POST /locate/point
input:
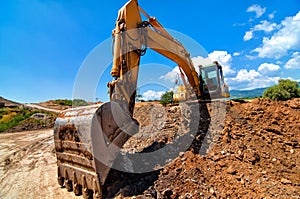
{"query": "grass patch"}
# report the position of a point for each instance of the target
(63, 102)
(67, 102)
(247, 98)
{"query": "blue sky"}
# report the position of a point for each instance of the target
(44, 43)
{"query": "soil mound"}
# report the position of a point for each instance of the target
(255, 155)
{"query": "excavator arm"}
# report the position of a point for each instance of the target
(174, 50)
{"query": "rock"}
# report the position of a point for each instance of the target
(211, 190)
(274, 121)
(294, 104)
(285, 181)
(231, 170)
(40, 116)
(221, 163)
(242, 182)
(216, 158)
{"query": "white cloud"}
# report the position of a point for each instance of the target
(223, 57)
(172, 75)
(266, 75)
(201, 61)
(152, 95)
(243, 75)
(271, 15)
(287, 38)
(264, 25)
(259, 11)
(248, 35)
(250, 57)
(269, 69)
(294, 62)
(236, 54)
(246, 80)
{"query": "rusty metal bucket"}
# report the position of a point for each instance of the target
(87, 141)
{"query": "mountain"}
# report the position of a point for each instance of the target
(234, 94)
(6, 102)
(246, 93)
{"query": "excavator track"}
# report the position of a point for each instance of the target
(87, 140)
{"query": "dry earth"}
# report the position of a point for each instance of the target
(28, 166)
(254, 153)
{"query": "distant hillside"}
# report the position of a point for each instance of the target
(9, 102)
(247, 93)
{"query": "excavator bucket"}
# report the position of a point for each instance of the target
(87, 141)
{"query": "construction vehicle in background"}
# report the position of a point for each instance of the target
(88, 139)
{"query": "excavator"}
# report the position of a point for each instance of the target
(88, 139)
(212, 83)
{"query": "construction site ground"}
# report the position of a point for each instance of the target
(252, 152)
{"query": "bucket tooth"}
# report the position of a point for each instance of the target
(60, 179)
(77, 188)
(69, 185)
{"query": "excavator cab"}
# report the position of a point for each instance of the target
(212, 82)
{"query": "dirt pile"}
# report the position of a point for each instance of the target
(251, 150)
(255, 155)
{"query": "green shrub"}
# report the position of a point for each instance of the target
(23, 113)
(79, 102)
(19, 115)
(286, 89)
(75, 102)
(166, 98)
(63, 102)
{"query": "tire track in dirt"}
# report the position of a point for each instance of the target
(28, 166)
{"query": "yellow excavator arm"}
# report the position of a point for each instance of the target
(131, 38)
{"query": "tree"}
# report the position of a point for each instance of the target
(286, 89)
(139, 98)
(79, 102)
(166, 98)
